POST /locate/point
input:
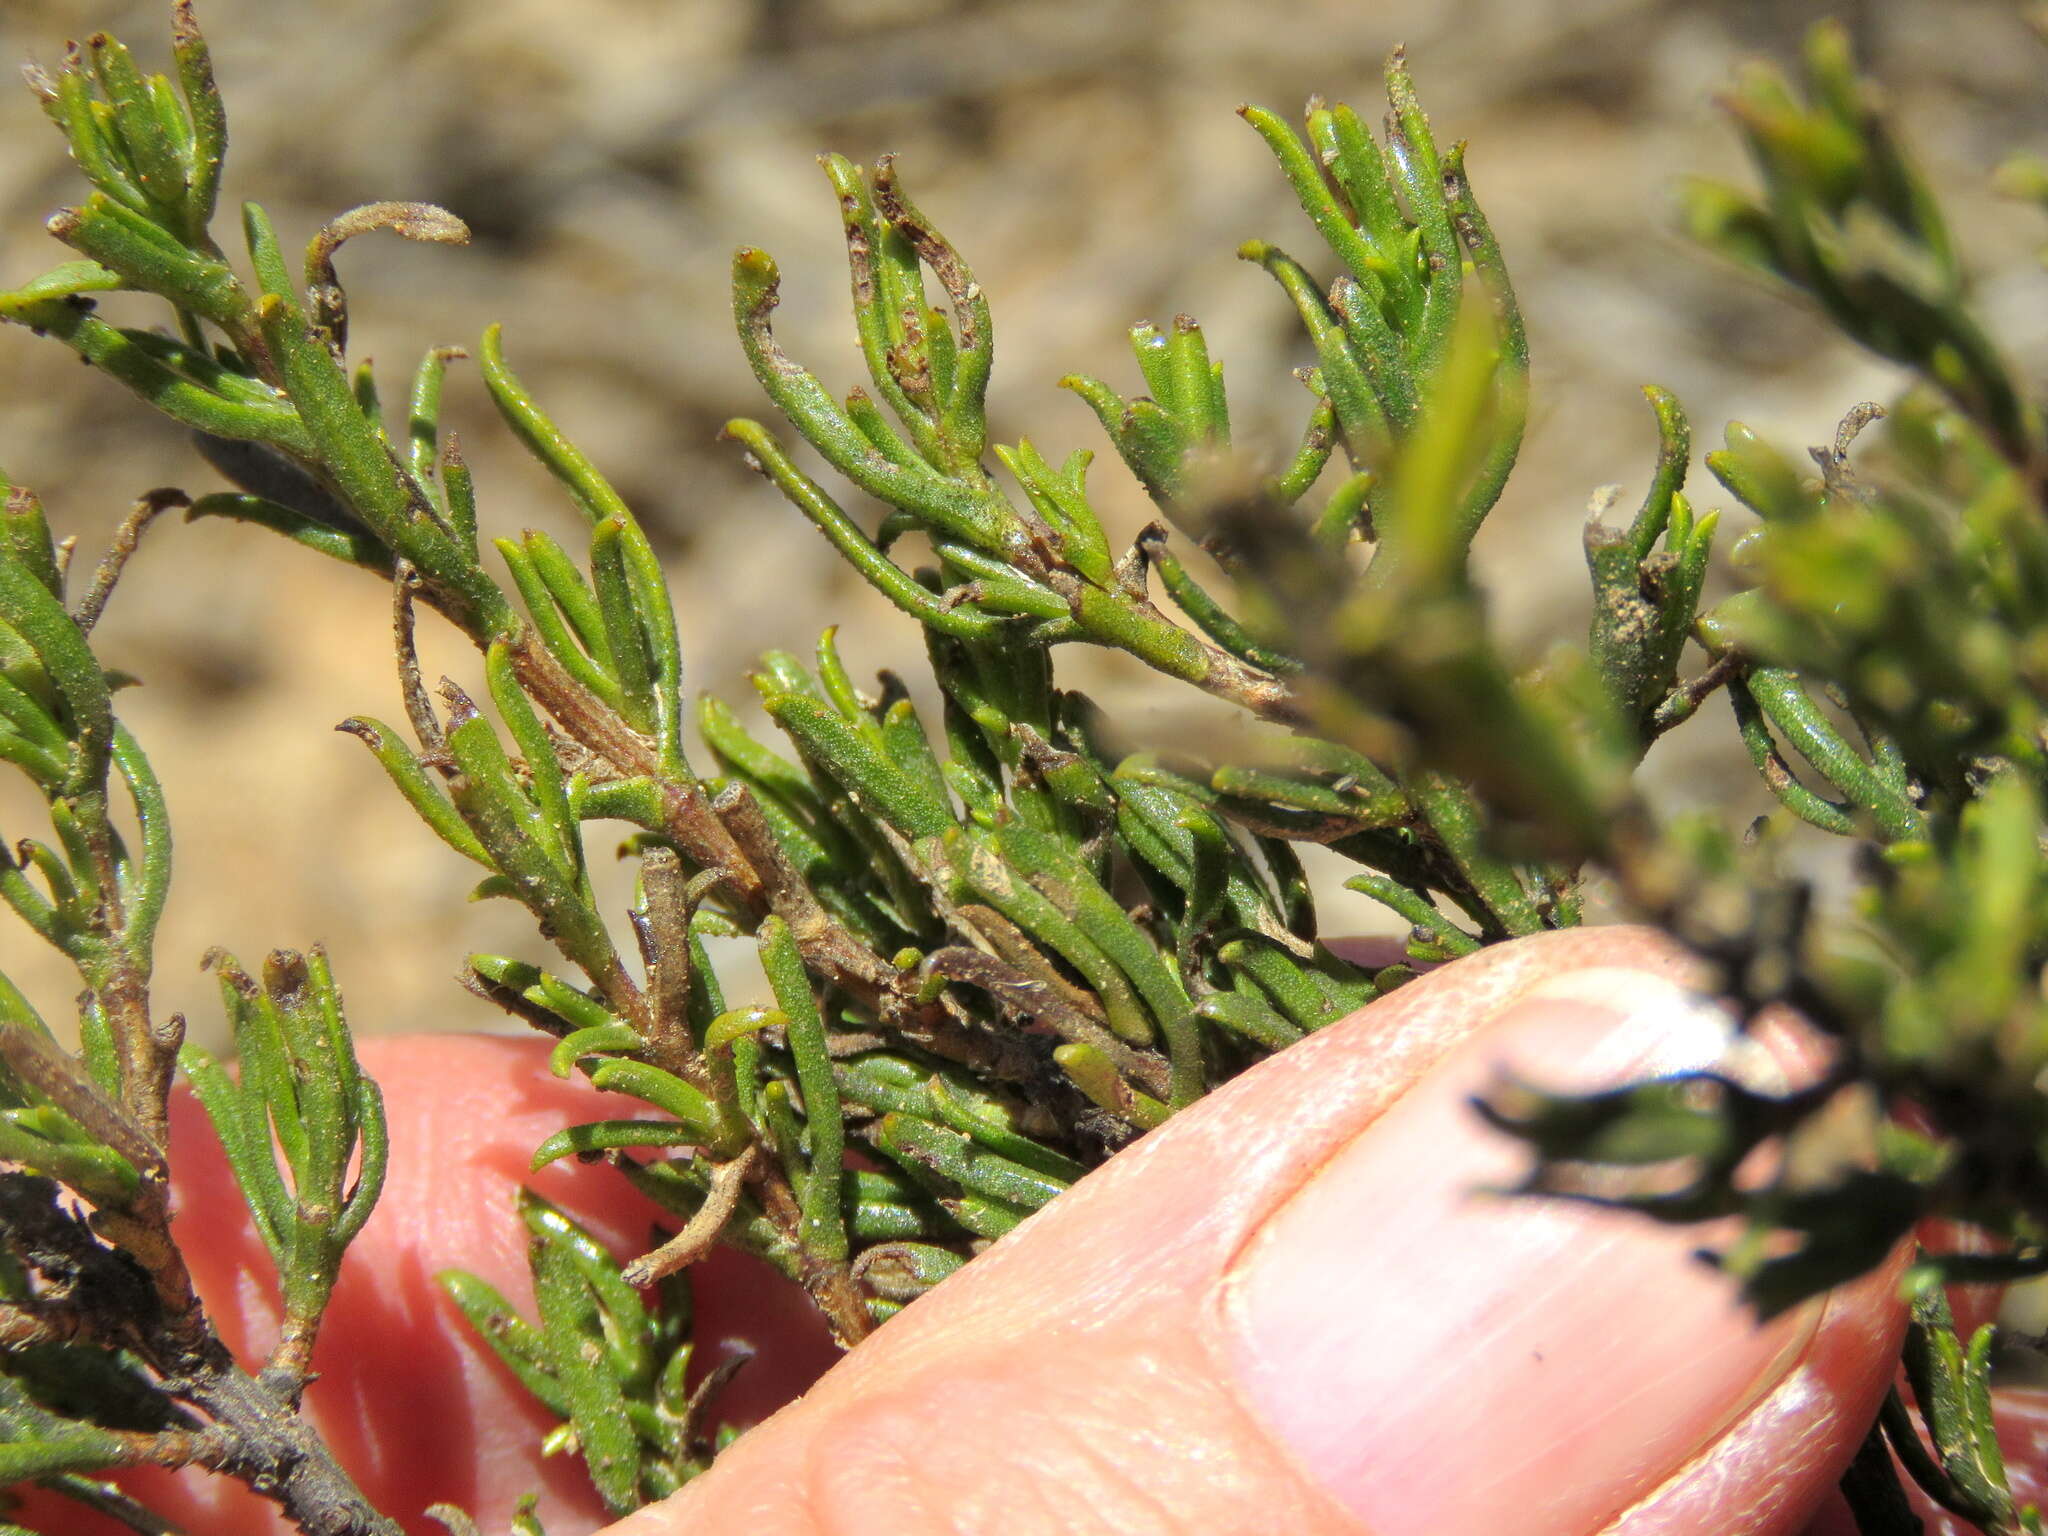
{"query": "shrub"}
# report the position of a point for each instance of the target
(1003, 938)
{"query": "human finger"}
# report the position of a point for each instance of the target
(1290, 1309)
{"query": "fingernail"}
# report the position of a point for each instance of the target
(1447, 1362)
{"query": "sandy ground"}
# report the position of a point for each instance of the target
(610, 153)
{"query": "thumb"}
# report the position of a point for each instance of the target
(1289, 1310)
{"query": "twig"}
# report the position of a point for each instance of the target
(126, 538)
(419, 709)
(1683, 702)
(728, 1180)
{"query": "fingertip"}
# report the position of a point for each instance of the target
(1102, 1351)
(1776, 1467)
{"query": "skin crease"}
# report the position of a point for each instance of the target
(1122, 1407)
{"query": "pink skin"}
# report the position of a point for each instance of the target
(1345, 1338)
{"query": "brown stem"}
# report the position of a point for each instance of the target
(1684, 700)
(147, 1053)
(290, 1366)
(855, 969)
(53, 1322)
(1237, 682)
(830, 1282)
(728, 1181)
(213, 1448)
(663, 927)
(730, 836)
(126, 538)
(254, 1433)
(1026, 997)
(838, 1296)
(690, 823)
(785, 892)
(278, 1453)
(419, 709)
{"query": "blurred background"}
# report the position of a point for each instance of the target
(609, 154)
